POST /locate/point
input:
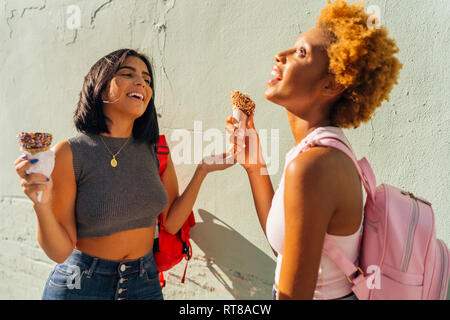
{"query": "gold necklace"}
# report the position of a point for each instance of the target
(113, 161)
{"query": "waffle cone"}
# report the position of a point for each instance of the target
(240, 101)
(34, 151)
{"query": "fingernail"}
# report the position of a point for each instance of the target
(24, 156)
(33, 161)
(47, 179)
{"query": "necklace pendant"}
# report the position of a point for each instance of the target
(114, 162)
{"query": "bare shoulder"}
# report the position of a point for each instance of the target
(63, 155)
(325, 180)
(310, 188)
(322, 168)
(316, 162)
(63, 147)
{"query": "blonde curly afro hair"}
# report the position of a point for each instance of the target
(362, 60)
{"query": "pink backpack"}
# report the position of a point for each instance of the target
(400, 257)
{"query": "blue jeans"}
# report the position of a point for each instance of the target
(84, 277)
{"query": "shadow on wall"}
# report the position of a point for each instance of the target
(250, 270)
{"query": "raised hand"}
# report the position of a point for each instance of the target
(245, 146)
(217, 162)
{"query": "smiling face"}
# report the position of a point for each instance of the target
(301, 78)
(129, 92)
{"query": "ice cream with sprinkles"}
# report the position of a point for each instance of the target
(36, 145)
(34, 142)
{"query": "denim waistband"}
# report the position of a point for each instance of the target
(110, 267)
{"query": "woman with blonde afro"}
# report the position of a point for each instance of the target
(333, 77)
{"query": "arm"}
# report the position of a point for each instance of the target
(254, 164)
(179, 207)
(55, 213)
(57, 233)
(309, 204)
(262, 192)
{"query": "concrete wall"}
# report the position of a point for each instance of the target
(200, 51)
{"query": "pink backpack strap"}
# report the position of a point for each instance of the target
(362, 166)
(339, 258)
(359, 281)
(367, 176)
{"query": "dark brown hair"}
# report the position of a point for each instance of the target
(89, 116)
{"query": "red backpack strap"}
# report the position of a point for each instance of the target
(162, 281)
(162, 151)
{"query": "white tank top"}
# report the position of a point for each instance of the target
(331, 281)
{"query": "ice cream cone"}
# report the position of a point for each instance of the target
(35, 142)
(36, 145)
(243, 107)
(34, 151)
(242, 102)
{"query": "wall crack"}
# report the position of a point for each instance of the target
(44, 5)
(12, 15)
(8, 20)
(75, 37)
(96, 11)
(161, 27)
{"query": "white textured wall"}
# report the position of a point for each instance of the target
(200, 51)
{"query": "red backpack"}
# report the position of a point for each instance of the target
(170, 249)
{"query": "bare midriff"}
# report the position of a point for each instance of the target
(120, 246)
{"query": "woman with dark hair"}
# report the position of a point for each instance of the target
(333, 77)
(98, 210)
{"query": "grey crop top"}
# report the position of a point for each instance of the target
(111, 200)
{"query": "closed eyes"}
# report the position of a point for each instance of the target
(130, 75)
